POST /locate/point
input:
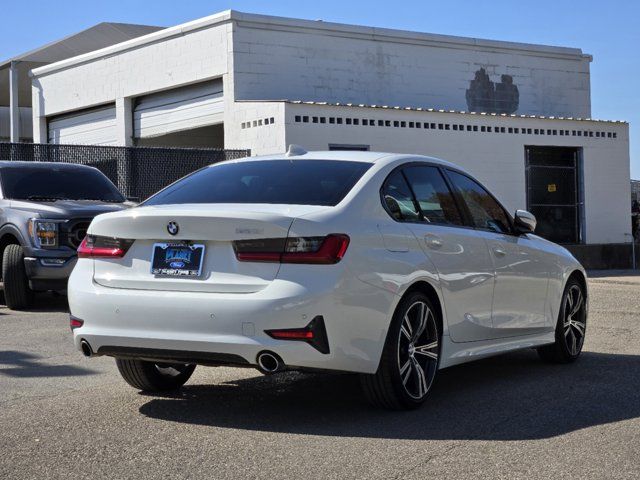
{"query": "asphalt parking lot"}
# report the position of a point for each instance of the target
(65, 416)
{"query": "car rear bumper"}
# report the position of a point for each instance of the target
(202, 324)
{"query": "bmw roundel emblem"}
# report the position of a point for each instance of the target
(173, 228)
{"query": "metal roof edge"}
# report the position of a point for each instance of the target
(435, 110)
(408, 35)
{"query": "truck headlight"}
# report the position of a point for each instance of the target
(44, 233)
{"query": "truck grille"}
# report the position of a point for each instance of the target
(74, 234)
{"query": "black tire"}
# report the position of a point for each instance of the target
(17, 294)
(407, 371)
(154, 377)
(571, 327)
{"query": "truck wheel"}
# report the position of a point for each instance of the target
(154, 377)
(17, 294)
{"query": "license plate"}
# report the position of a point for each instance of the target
(177, 259)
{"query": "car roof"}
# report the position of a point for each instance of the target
(354, 156)
(36, 164)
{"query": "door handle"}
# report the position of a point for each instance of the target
(432, 241)
(499, 252)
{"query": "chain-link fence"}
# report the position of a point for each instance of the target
(137, 171)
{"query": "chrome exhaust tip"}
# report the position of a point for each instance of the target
(269, 362)
(86, 348)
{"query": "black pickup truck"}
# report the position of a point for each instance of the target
(45, 210)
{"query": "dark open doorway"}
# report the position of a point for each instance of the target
(554, 192)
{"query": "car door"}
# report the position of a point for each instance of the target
(460, 256)
(521, 270)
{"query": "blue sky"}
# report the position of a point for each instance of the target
(607, 30)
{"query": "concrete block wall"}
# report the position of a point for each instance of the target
(280, 58)
(496, 159)
(259, 126)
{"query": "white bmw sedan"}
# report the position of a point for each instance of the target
(391, 266)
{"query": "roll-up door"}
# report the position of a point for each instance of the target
(179, 109)
(89, 127)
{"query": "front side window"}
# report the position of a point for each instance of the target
(485, 212)
(434, 197)
(286, 182)
(398, 199)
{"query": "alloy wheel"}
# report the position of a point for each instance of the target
(418, 350)
(575, 320)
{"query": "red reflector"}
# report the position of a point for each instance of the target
(75, 322)
(297, 334)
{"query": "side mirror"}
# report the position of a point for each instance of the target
(525, 222)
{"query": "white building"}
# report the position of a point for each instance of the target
(516, 115)
(15, 84)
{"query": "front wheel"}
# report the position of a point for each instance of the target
(17, 294)
(571, 327)
(410, 358)
(154, 377)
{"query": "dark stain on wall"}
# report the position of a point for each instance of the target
(483, 95)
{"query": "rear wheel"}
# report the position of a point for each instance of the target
(154, 377)
(571, 327)
(410, 358)
(17, 294)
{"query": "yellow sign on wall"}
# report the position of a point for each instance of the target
(551, 188)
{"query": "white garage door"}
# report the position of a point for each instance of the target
(179, 109)
(92, 127)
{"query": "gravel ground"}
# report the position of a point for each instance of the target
(512, 417)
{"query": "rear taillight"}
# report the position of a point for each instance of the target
(94, 246)
(311, 250)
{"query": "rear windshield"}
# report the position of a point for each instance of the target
(53, 183)
(297, 182)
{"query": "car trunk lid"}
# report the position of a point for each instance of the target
(215, 227)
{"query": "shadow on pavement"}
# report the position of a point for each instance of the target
(513, 397)
(42, 302)
(25, 365)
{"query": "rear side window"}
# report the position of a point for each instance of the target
(486, 213)
(398, 198)
(433, 195)
(287, 182)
